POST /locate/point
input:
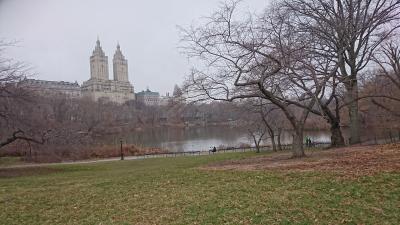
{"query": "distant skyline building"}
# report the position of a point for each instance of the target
(58, 88)
(120, 66)
(99, 86)
(151, 98)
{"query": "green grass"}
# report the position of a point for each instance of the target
(11, 161)
(175, 191)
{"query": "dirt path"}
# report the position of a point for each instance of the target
(349, 161)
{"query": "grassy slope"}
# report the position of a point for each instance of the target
(10, 161)
(174, 191)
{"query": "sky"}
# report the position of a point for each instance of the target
(56, 37)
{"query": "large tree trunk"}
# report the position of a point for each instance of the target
(273, 143)
(272, 135)
(352, 98)
(337, 139)
(257, 144)
(258, 150)
(279, 139)
(297, 146)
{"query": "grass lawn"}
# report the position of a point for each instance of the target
(11, 161)
(176, 191)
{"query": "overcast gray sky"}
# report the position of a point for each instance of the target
(56, 37)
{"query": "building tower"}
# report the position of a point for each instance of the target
(98, 64)
(100, 87)
(120, 66)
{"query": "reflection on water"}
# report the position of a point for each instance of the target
(198, 138)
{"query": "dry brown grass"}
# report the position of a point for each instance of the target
(349, 161)
(128, 150)
(51, 154)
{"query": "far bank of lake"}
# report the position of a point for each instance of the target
(198, 138)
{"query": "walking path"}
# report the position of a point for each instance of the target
(165, 155)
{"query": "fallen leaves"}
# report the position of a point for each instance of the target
(350, 161)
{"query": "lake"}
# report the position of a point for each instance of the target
(199, 138)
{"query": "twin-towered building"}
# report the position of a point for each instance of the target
(99, 86)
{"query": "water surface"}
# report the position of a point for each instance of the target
(199, 138)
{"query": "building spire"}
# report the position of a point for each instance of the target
(118, 54)
(98, 50)
(120, 65)
(98, 63)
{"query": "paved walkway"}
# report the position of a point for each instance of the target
(126, 158)
(167, 155)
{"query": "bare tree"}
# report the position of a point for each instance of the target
(177, 94)
(14, 103)
(312, 71)
(257, 131)
(265, 117)
(245, 59)
(351, 30)
(388, 60)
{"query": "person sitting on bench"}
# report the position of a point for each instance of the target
(213, 150)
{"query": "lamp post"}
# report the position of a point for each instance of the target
(122, 153)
